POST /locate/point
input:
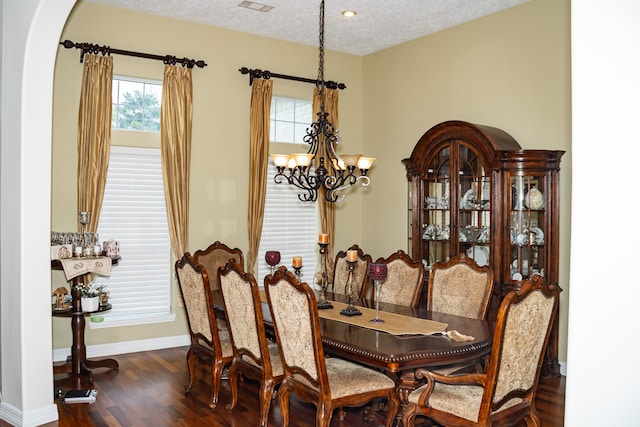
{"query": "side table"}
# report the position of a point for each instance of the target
(78, 367)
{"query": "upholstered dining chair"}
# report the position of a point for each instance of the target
(404, 279)
(214, 257)
(341, 271)
(253, 355)
(506, 392)
(330, 382)
(208, 343)
(460, 287)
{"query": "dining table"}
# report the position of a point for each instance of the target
(454, 340)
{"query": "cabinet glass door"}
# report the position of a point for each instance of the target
(436, 213)
(474, 208)
(527, 227)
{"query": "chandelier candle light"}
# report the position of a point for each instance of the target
(321, 166)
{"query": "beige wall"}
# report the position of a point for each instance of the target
(509, 70)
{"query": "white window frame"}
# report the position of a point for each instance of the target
(147, 86)
(290, 226)
(140, 284)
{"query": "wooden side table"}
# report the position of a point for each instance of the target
(78, 367)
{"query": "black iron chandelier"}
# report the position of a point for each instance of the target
(321, 166)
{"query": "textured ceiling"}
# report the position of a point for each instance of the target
(379, 24)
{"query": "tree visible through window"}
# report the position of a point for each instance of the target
(136, 105)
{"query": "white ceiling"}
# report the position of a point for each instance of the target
(379, 24)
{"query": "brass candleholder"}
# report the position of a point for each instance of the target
(321, 278)
(352, 292)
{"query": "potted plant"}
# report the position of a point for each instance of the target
(90, 295)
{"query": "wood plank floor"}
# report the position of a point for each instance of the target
(148, 390)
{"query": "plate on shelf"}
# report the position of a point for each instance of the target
(480, 254)
(539, 235)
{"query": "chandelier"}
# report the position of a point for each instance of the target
(321, 166)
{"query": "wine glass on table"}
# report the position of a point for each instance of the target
(272, 258)
(377, 273)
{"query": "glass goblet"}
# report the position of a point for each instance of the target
(377, 273)
(272, 258)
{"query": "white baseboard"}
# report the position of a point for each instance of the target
(33, 418)
(102, 350)
(563, 368)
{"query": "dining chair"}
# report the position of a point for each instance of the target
(461, 287)
(341, 271)
(214, 257)
(208, 343)
(404, 279)
(506, 393)
(330, 382)
(253, 355)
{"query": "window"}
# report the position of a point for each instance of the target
(290, 119)
(136, 104)
(134, 213)
(290, 226)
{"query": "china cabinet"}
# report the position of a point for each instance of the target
(474, 190)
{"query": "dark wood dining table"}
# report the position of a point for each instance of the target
(399, 355)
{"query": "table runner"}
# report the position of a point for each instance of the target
(74, 267)
(395, 324)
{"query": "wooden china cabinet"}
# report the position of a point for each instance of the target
(474, 190)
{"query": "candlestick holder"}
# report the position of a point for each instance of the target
(297, 272)
(377, 272)
(352, 292)
(321, 278)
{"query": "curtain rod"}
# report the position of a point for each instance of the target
(107, 50)
(266, 74)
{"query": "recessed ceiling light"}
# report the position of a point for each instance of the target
(349, 13)
(255, 6)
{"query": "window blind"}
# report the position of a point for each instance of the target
(134, 214)
(289, 227)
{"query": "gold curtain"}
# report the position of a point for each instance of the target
(327, 209)
(261, 91)
(94, 135)
(176, 114)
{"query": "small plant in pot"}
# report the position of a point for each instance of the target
(90, 294)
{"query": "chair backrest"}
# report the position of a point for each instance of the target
(296, 323)
(522, 330)
(243, 309)
(341, 271)
(404, 279)
(216, 256)
(460, 287)
(196, 293)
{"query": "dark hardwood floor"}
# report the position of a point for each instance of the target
(148, 390)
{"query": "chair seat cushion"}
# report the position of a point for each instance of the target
(347, 378)
(225, 343)
(274, 356)
(462, 401)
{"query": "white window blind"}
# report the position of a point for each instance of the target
(290, 226)
(134, 214)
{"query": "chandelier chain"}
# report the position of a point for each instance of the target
(320, 82)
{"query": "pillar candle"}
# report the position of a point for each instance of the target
(323, 238)
(297, 261)
(352, 255)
